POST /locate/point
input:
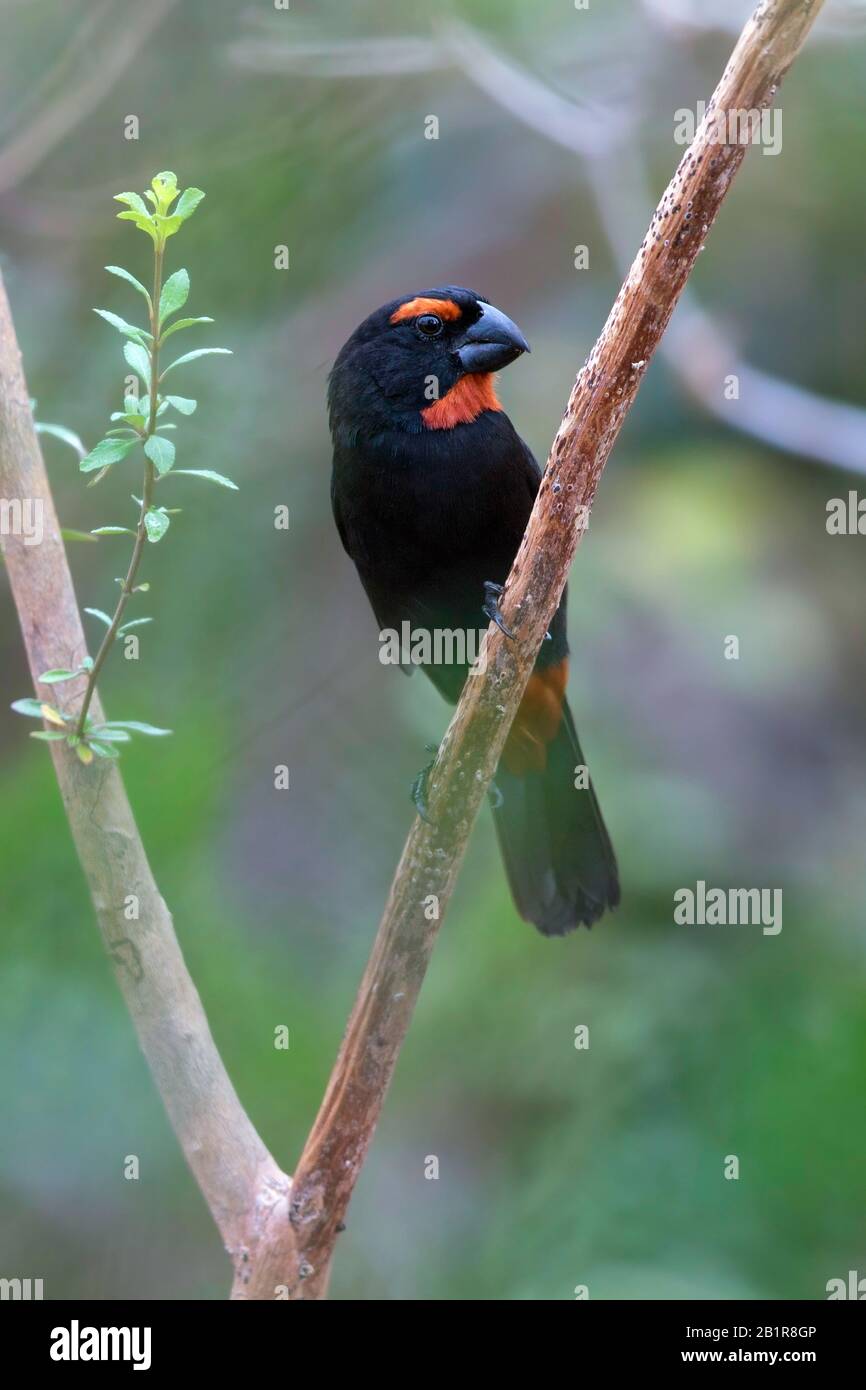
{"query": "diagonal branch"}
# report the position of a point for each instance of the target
(599, 402)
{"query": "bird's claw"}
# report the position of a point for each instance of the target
(495, 796)
(490, 608)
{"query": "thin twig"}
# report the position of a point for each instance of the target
(338, 58)
(127, 588)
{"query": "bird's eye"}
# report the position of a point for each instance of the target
(430, 325)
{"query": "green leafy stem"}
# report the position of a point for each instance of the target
(140, 424)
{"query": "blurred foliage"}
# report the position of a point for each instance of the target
(557, 1167)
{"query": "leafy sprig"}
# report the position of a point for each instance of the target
(140, 425)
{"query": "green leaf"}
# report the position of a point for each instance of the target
(137, 727)
(175, 293)
(85, 754)
(133, 200)
(138, 359)
(98, 613)
(164, 187)
(77, 535)
(67, 436)
(31, 708)
(184, 323)
(184, 404)
(191, 356)
(138, 335)
(107, 451)
(36, 709)
(188, 202)
(112, 531)
(102, 750)
(107, 735)
(97, 477)
(209, 474)
(156, 523)
(143, 221)
(130, 279)
(48, 735)
(160, 452)
(60, 674)
(166, 226)
(134, 420)
(136, 622)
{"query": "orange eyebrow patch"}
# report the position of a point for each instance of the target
(463, 403)
(537, 721)
(445, 308)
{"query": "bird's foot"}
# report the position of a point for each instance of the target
(419, 785)
(495, 796)
(491, 609)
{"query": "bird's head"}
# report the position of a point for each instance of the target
(425, 361)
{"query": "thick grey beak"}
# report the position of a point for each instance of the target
(491, 343)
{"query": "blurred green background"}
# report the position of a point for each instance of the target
(557, 1167)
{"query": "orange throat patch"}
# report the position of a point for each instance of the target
(471, 395)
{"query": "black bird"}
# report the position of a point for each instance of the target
(432, 489)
